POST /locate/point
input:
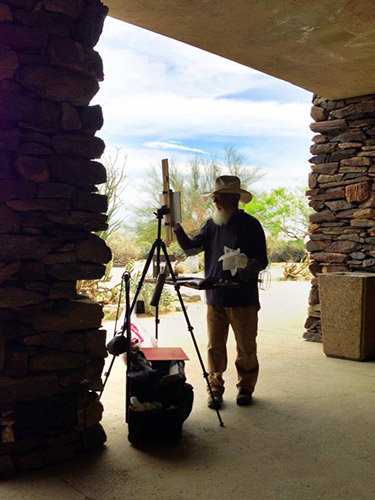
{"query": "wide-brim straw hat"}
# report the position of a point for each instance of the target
(230, 184)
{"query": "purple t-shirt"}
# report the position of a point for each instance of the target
(243, 231)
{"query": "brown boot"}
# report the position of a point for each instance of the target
(244, 397)
(216, 402)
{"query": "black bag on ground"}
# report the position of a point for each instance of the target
(143, 379)
(163, 382)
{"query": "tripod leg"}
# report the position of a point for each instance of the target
(128, 351)
(107, 375)
(139, 287)
(191, 330)
(143, 276)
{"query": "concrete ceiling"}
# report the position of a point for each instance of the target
(325, 46)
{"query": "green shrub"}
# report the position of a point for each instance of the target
(285, 250)
(166, 298)
(124, 248)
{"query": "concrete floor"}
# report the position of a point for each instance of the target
(308, 435)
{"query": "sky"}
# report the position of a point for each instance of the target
(162, 98)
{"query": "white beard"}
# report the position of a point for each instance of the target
(221, 217)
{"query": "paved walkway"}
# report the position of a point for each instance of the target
(309, 434)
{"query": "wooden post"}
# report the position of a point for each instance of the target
(167, 201)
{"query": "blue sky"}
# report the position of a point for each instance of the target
(162, 98)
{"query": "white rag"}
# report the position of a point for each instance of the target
(233, 260)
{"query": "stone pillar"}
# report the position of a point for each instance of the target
(342, 193)
(51, 346)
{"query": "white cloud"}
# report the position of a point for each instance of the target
(167, 116)
(172, 145)
(144, 60)
(139, 160)
(161, 97)
(158, 87)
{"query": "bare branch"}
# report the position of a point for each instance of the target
(114, 188)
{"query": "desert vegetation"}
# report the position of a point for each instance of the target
(282, 211)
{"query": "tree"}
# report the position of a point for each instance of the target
(235, 163)
(191, 180)
(113, 189)
(283, 212)
(124, 247)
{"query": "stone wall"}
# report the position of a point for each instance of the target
(51, 346)
(342, 193)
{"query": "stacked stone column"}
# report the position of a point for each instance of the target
(52, 347)
(342, 193)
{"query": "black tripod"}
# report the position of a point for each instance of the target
(158, 247)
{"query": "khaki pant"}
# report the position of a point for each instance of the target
(244, 322)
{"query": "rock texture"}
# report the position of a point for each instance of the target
(52, 347)
(342, 193)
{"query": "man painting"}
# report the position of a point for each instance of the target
(234, 249)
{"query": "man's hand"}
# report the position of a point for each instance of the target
(254, 265)
(241, 261)
(250, 271)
